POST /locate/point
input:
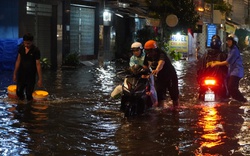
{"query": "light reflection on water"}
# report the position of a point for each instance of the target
(80, 118)
(212, 130)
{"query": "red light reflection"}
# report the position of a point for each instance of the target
(212, 129)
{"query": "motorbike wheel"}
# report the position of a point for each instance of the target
(141, 106)
(127, 112)
(148, 102)
(124, 102)
(130, 110)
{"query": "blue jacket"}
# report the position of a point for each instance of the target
(235, 62)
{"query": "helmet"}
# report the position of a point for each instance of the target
(136, 45)
(150, 44)
(215, 42)
(233, 37)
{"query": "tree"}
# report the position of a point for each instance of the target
(221, 5)
(185, 10)
(145, 34)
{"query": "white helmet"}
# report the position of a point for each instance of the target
(136, 45)
(233, 37)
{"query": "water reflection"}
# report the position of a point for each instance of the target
(156, 132)
(19, 123)
(243, 136)
(220, 125)
(80, 118)
(213, 131)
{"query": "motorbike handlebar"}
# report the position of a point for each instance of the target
(130, 71)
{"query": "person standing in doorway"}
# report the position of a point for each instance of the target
(27, 66)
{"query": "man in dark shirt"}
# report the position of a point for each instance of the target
(164, 71)
(26, 67)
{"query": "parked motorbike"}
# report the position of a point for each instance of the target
(134, 91)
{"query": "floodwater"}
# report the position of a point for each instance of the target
(80, 118)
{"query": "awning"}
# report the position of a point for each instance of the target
(232, 23)
(129, 8)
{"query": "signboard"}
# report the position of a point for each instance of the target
(152, 22)
(211, 30)
(178, 43)
(230, 29)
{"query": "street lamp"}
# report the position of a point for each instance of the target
(106, 16)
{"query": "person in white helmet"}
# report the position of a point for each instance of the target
(137, 59)
(235, 68)
(138, 54)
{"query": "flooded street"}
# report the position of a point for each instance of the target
(80, 118)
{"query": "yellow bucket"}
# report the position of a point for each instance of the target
(12, 91)
(40, 95)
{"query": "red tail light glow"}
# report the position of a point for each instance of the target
(210, 81)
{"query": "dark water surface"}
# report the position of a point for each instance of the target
(80, 118)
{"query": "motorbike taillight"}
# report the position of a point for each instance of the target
(209, 81)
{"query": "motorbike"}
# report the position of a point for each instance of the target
(134, 91)
(212, 86)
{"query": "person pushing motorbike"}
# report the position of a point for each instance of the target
(166, 77)
(138, 59)
(220, 72)
(235, 68)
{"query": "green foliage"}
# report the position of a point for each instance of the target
(172, 54)
(45, 63)
(224, 7)
(175, 55)
(72, 59)
(183, 9)
(159, 8)
(145, 34)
